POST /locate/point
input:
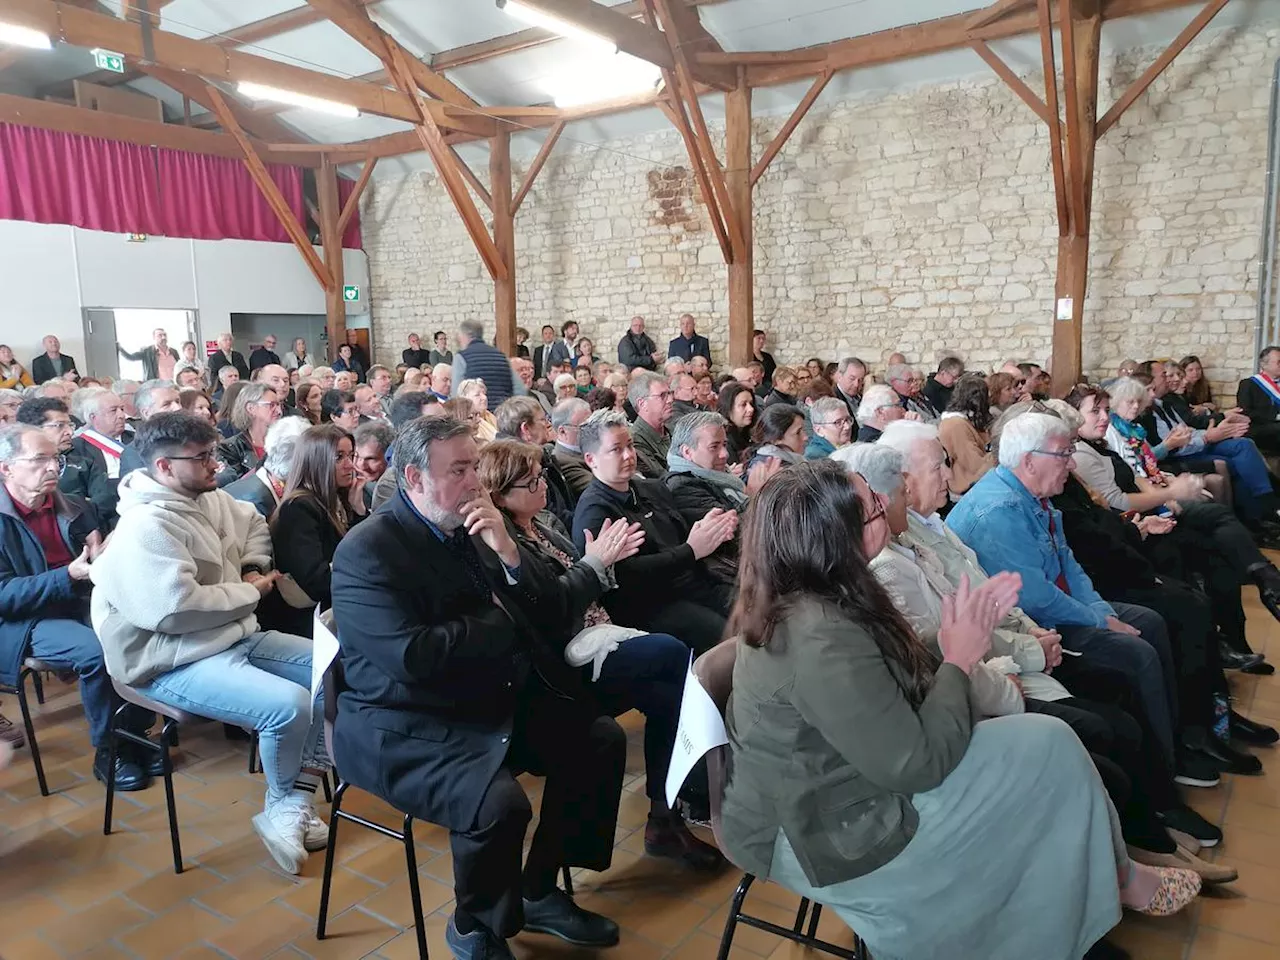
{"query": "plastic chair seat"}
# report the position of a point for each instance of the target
(129, 695)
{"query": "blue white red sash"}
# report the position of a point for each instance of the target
(111, 449)
(1269, 387)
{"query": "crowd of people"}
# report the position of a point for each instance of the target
(973, 624)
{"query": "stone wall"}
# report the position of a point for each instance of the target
(920, 221)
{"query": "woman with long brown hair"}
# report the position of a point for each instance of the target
(322, 499)
(197, 402)
(226, 407)
(965, 433)
(858, 777)
(310, 397)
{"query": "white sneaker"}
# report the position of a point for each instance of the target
(282, 828)
(316, 833)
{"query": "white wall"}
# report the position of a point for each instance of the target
(48, 273)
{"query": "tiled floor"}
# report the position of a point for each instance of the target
(68, 891)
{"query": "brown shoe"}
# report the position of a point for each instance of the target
(10, 734)
(670, 837)
(1184, 859)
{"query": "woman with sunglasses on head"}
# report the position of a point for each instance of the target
(859, 778)
(323, 498)
(621, 668)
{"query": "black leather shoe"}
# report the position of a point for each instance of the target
(670, 838)
(128, 774)
(559, 916)
(1235, 660)
(1186, 820)
(1263, 669)
(1251, 732)
(1229, 759)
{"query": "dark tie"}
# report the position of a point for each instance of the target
(1158, 407)
(460, 545)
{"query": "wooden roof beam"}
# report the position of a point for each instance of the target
(630, 36)
(535, 168)
(193, 88)
(788, 128)
(1011, 79)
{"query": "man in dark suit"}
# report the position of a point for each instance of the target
(53, 362)
(1258, 398)
(540, 352)
(225, 357)
(265, 354)
(690, 343)
(450, 689)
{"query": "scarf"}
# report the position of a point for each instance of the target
(1135, 438)
(1269, 387)
(733, 488)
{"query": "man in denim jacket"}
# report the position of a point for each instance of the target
(1007, 520)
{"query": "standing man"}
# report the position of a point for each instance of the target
(851, 374)
(226, 356)
(690, 343)
(53, 363)
(415, 355)
(651, 397)
(158, 360)
(762, 357)
(637, 349)
(264, 354)
(449, 681)
(479, 360)
(566, 348)
(540, 362)
(940, 385)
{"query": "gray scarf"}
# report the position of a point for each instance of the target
(733, 488)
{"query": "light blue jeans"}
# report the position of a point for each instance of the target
(263, 683)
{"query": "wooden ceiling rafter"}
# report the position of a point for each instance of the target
(353, 199)
(535, 168)
(266, 128)
(784, 134)
(1011, 79)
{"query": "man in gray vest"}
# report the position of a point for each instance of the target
(478, 360)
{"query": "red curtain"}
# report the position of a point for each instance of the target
(51, 177)
(351, 238)
(214, 198)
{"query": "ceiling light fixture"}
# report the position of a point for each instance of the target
(258, 91)
(602, 78)
(570, 31)
(24, 37)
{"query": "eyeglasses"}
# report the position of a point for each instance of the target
(38, 461)
(531, 485)
(273, 404)
(842, 422)
(58, 425)
(1057, 454)
(344, 457)
(209, 456)
(875, 498)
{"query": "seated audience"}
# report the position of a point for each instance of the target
(601, 398)
(1195, 386)
(102, 441)
(521, 418)
(404, 410)
(785, 387)
(10, 400)
(442, 381)
(651, 398)
(666, 588)
(197, 402)
(816, 367)
(622, 668)
(566, 417)
(451, 688)
(1006, 519)
(48, 541)
(78, 476)
(850, 378)
(738, 407)
(566, 386)
(189, 378)
(373, 442)
(339, 407)
(322, 500)
(964, 431)
(880, 406)
(704, 394)
(412, 380)
(1258, 398)
(174, 596)
(345, 380)
(584, 380)
(12, 373)
(779, 433)
(830, 677)
(684, 395)
(938, 388)
(154, 396)
(226, 406)
(1038, 382)
(832, 427)
(225, 377)
(906, 383)
(325, 376)
(264, 487)
(1139, 782)
(310, 400)
(257, 407)
(1004, 390)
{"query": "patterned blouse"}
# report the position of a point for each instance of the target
(595, 614)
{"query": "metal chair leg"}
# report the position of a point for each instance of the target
(813, 921)
(112, 747)
(324, 782)
(254, 765)
(325, 882)
(731, 922)
(801, 912)
(38, 681)
(415, 891)
(568, 882)
(165, 734)
(31, 731)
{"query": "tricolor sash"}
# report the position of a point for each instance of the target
(1269, 387)
(111, 450)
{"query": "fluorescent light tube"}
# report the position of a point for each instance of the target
(571, 31)
(258, 91)
(602, 78)
(24, 37)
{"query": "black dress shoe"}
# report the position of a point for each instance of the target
(128, 774)
(559, 916)
(1186, 820)
(1263, 669)
(1235, 660)
(1251, 732)
(1229, 759)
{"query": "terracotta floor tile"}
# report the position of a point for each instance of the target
(392, 903)
(247, 891)
(160, 892)
(170, 932)
(97, 883)
(89, 927)
(1219, 945)
(1239, 915)
(704, 946)
(30, 947)
(262, 932)
(1147, 944)
(352, 935)
(405, 946)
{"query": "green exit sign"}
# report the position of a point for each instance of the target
(108, 60)
(350, 293)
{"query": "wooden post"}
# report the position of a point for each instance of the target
(737, 103)
(504, 237)
(335, 308)
(1081, 32)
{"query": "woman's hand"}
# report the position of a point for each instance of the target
(618, 540)
(969, 616)
(1187, 486)
(716, 528)
(1155, 525)
(355, 497)
(1178, 437)
(760, 474)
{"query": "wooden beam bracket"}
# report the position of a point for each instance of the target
(788, 128)
(1011, 79)
(470, 176)
(353, 201)
(535, 168)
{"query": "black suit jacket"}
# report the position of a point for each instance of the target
(432, 672)
(42, 368)
(1254, 402)
(102, 489)
(219, 360)
(539, 360)
(263, 357)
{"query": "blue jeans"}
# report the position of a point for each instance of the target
(1249, 473)
(70, 643)
(263, 682)
(647, 674)
(1145, 660)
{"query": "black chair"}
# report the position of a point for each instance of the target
(332, 687)
(31, 667)
(168, 737)
(714, 670)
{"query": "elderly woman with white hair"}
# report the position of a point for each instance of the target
(880, 406)
(474, 389)
(10, 400)
(1138, 780)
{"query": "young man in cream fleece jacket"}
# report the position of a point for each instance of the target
(173, 604)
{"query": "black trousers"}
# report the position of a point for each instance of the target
(583, 758)
(698, 626)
